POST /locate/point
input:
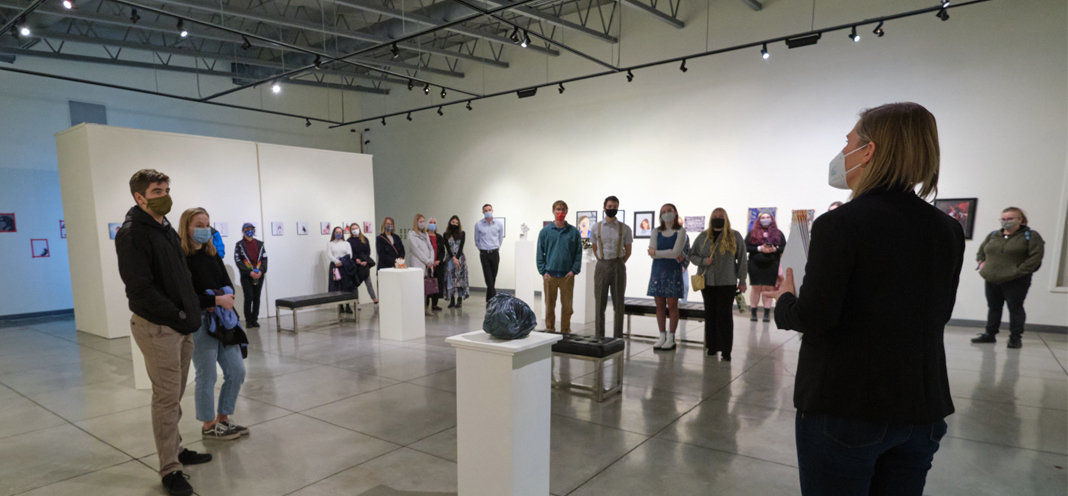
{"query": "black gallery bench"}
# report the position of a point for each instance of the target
(596, 350)
(293, 303)
(646, 307)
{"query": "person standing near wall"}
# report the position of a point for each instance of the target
(489, 236)
(422, 255)
(361, 255)
(457, 286)
(388, 245)
(1007, 259)
(337, 277)
(872, 389)
(251, 260)
(559, 260)
(211, 283)
(166, 311)
(765, 244)
(665, 281)
(612, 241)
(441, 258)
(720, 258)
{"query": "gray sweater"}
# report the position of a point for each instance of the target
(727, 269)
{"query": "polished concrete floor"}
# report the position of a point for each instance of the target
(336, 411)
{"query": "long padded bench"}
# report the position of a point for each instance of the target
(596, 350)
(294, 303)
(646, 307)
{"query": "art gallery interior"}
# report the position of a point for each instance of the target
(301, 116)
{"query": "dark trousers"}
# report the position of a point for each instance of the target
(847, 457)
(1012, 293)
(439, 274)
(719, 318)
(252, 297)
(490, 260)
(610, 274)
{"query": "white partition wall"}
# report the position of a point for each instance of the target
(226, 177)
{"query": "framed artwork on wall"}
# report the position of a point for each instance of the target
(620, 216)
(39, 248)
(504, 226)
(694, 224)
(962, 209)
(367, 228)
(324, 228)
(754, 214)
(546, 222)
(7, 223)
(62, 229)
(113, 229)
(584, 219)
(223, 229)
(643, 224)
(277, 229)
(302, 228)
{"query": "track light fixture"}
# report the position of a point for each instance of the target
(443, 92)
(20, 29)
(307, 122)
(426, 89)
(383, 121)
(440, 112)
(68, 4)
(853, 35)
(411, 84)
(943, 13)
(276, 88)
(245, 44)
(526, 40)
(181, 28)
(133, 16)
(683, 66)
(368, 142)
(395, 51)
(630, 76)
(409, 117)
(469, 105)
(561, 89)
(318, 61)
(515, 35)
(878, 31)
(764, 52)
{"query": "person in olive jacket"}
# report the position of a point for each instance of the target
(1007, 259)
(251, 259)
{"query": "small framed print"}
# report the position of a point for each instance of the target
(961, 209)
(504, 226)
(223, 229)
(324, 228)
(7, 223)
(62, 229)
(621, 216)
(40, 248)
(546, 223)
(643, 224)
(277, 228)
(584, 220)
(302, 228)
(367, 229)
(694, 224)
(113, 229)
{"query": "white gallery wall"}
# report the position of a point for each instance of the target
(736, 131)
(223, 176)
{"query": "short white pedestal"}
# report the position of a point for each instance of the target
(526, 271)
(503, 414)
(583, 303)
(400, 304)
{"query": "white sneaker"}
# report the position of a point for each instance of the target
(661, 341)
(670, 343)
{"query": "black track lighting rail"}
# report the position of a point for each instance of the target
(629, 70)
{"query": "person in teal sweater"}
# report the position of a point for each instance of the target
(559, 261)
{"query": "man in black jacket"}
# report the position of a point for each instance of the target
(166, 312)
(251, 260)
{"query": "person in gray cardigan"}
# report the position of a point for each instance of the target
(720, 256)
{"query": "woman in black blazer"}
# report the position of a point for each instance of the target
(872, 389)
(361, 256)
(388, 245)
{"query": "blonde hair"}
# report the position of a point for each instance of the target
(906, 149)
(729, 244)
(183, 232)
(415, 223)
(382, 228)
(361, 236)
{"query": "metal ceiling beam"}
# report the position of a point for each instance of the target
(419, 19)
(753, 4)
(352, 35)
(671, 21)
(557, 21)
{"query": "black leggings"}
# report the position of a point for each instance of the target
(719, 320)
(252, 297)
(1012, 293)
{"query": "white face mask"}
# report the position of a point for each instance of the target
(668, 217)
(838, 172)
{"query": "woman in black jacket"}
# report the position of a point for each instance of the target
(361, 255)
(872, 389)
(388, 245)
(765, 244)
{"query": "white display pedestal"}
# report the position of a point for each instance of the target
(583, 303)
(400, 304)
(503, 407)
(526, 271)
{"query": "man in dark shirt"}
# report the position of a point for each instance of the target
(166, 312)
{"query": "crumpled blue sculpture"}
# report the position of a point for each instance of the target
(508, 317)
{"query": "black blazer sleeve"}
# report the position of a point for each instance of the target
(830, 264)
(135, 269)
(443, 253)
(463, 241)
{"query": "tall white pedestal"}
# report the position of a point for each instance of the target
(583, 303)
(503, 414)
(400, 304)
(526, 271)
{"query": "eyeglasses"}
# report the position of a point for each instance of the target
(1009, 219)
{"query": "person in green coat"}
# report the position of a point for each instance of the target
(1007, 259)
(559, 261)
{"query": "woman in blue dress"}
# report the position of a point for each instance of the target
(665, 282)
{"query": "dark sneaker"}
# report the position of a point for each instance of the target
(1015, 342)
(253, 325)
(190, 457)
(240, 429)
(220, 432)
(726, 357)
(709, 352)
(176, 485)
(985, 338)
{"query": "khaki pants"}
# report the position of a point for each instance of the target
(167, 355)
(566, 286)
(610, 274)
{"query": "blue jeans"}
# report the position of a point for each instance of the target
(206, 352)
(847, 457)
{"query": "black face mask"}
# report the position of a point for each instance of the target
(718, 223)
(611, 212)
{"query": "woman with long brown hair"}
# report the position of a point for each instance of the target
(457, 287)
(720, 259)
(872, 389)
(361, 254)
(765, 244)
(665, 281)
